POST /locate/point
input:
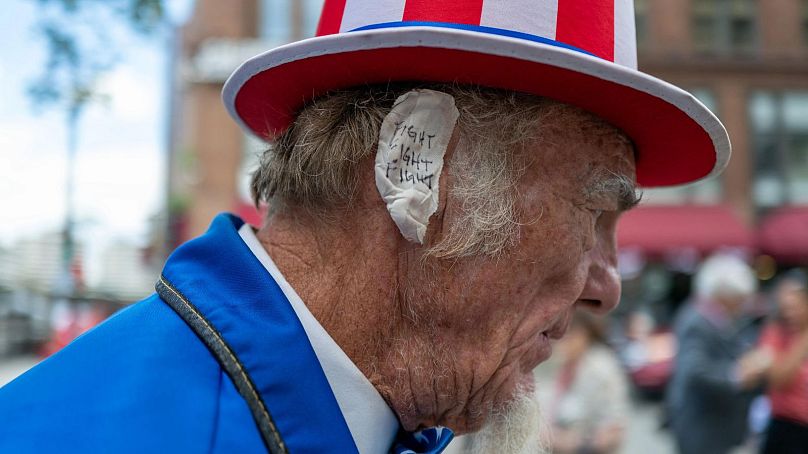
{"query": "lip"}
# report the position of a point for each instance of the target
(559, 328)
(544, 349)
(545, 340)
(547, 346)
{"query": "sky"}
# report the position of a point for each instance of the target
(121, 158)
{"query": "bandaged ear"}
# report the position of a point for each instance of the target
(412, 144)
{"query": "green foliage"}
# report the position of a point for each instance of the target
(145, 15)
(81, 41)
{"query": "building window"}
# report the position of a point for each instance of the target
(724, 26)
(641, 21)
(707, 192)
(286, 20)
(780, 138)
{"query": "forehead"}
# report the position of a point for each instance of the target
(574, 146)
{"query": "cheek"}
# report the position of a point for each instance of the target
(563, 222)
(485, 301)
(556, 244)
(552, 265)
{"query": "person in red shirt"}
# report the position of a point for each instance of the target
(785, 343)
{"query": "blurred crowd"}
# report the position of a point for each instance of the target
(730, 365)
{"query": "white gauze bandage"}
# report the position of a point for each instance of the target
(412, 143)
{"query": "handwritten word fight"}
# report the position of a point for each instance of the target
(410, 165)
(413, 140)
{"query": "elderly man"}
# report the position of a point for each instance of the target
(711, 388)
(444, 183)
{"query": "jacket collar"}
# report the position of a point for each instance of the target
(224, 293)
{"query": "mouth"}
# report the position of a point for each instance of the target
(556, 332)
(543, 351)
(545, 340)
(559, 328)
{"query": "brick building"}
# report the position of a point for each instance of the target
(747, 60)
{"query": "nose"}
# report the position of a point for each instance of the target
(601, 291)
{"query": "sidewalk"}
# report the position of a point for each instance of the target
(643, 434)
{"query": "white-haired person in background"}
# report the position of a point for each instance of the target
(710, 391)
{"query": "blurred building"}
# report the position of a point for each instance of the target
(211, 156)
(124, 273)
(748, 61)
(41, 306)
(745, 59)
(35, 263)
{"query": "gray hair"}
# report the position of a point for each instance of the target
(315, 164)
(725, 275)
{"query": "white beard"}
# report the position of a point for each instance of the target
(520, 429)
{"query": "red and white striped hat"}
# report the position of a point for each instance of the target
(582, 52)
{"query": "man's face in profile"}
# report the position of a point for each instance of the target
(495, 317)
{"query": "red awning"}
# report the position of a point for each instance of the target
(783, 234)
(664, 229)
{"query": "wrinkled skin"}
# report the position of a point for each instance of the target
(449, 342)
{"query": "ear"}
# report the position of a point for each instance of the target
(440, 219)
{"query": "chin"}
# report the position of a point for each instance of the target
(518, 428)
(519, 389)
(526, 384)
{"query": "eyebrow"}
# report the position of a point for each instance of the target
(615, 186)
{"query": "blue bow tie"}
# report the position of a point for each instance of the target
(427, 441)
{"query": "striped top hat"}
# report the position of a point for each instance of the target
(581, 52)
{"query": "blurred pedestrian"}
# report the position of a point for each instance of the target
(647, 354)
(709, 394)
(584, 391)
(784, 345)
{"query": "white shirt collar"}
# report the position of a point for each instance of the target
(371, 422)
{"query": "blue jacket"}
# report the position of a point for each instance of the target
(216, 361)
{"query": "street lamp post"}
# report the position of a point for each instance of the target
(177, 13)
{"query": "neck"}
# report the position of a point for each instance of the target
(354, 273)
(345, 273)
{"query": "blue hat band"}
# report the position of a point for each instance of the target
(474, 28)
